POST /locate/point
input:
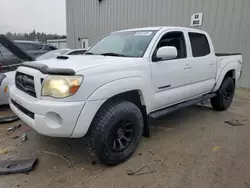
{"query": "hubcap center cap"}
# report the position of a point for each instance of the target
(120, 133)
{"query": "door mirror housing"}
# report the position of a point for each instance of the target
(167, 53)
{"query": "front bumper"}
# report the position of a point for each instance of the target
(4, 95)
(51, 118)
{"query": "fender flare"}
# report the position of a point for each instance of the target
(123, 85)
(223, 72)
(105, 92)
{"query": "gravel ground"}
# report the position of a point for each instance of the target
(193, 147)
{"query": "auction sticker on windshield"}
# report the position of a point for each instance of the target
(143, 33)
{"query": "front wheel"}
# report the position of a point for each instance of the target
(115, 132)
(225, 95)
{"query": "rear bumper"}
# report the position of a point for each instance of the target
(51, 118)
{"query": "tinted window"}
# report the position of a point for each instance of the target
(30, 46)
(3, 49)
(199, 44)
(175, 39)
(5, 53)
(8, 60)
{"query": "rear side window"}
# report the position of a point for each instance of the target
(30, 46)
(199, 44)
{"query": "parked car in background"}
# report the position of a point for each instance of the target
(11, 56)
(9, 62)
(35, 48)
(7, 78)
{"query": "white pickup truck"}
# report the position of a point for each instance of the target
(107, 94)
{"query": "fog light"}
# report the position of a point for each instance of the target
(53, 120)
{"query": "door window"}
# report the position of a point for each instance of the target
(175, 39)
(199, 44)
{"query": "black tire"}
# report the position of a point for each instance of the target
(104, 134)
(224, 96)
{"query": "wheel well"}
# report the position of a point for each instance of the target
(231, 74)
(135, 97)
(132, 96)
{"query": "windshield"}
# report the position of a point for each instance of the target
(29, 46)
(126, 43)
(3, 49)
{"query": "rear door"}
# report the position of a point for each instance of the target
(202, 64)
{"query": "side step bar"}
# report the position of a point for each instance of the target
(165, 111)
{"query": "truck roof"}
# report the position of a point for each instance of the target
(162, 27)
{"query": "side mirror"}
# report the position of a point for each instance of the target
(167, 53)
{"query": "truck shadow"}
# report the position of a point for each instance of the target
(181, 117)
(76, 149)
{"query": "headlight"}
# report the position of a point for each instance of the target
(61, 86)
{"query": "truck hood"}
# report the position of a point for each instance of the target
(83, 62)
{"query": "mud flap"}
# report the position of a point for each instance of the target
(146, 131)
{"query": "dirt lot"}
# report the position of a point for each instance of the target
(189, 148)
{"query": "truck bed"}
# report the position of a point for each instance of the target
(226, 54)
(225, 59)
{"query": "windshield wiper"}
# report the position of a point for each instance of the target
(112, 54)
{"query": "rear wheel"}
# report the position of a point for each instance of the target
(115, 132)
(225, 95)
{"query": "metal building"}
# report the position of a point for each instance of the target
(227, 21)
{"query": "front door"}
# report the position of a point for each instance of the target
(171, 78)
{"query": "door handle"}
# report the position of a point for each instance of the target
(187, 67)
(211, 63)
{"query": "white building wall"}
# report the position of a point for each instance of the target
(227, 21)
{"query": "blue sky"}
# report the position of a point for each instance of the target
(24, 15)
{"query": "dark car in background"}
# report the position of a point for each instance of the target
(23, 52)
(9, 62)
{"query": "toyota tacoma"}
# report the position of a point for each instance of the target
(108, 94)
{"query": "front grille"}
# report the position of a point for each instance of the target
(22, 109)
(25, 83)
